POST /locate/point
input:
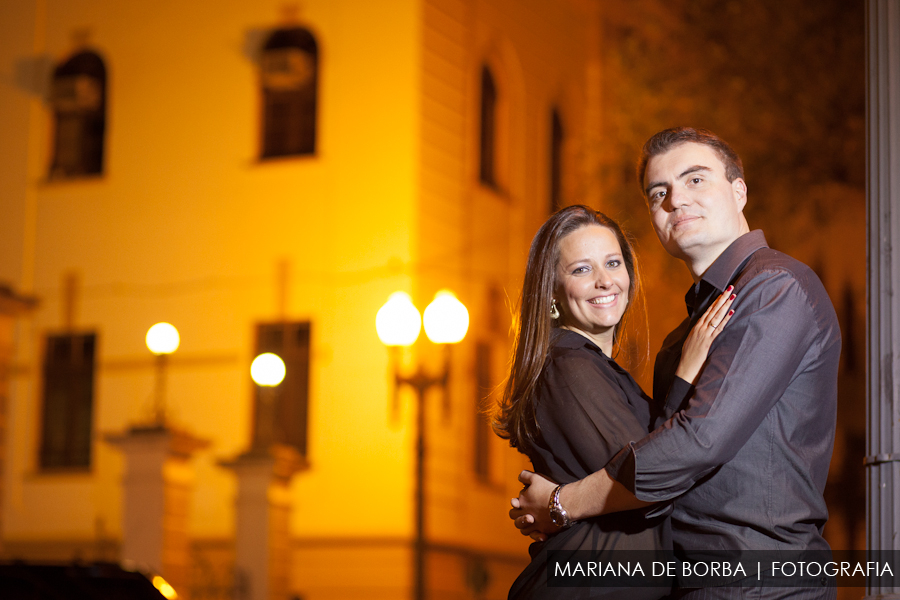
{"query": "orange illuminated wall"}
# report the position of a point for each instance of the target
(187, 224)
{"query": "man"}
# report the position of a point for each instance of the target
(747, 458)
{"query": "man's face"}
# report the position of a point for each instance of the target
(695, 210)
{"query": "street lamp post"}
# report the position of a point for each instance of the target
(162, 340)
(262, 503)
(267, 371)
(397, 324)
(158, 481)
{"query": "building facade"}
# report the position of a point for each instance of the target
(263, 176)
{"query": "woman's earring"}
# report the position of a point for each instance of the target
(554, 312)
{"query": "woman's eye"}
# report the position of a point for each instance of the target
(613, 264)
(696, 180)
(579, 270)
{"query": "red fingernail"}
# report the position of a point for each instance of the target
(733, 296)
(730, 312)
(729, 288)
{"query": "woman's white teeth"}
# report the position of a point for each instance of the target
(602, 299)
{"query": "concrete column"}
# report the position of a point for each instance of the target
(263, 509)
(156, 492)
(883, 352)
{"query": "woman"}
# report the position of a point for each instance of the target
(567, 404)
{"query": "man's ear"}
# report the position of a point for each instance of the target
(739, 187)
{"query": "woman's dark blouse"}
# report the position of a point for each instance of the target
(588, 409)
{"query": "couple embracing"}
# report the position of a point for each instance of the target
(732, 451)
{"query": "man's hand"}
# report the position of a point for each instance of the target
(596, 494)
(530, 511)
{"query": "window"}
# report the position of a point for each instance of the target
(289, 69)
(487, 172)
(68, 401)
(556, 148)
(78, 96)
(280, 414)
(497, 311)
(483, 390)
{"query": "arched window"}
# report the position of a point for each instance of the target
(289, 75)
(78, 96)
(487, 171)
(557, 136)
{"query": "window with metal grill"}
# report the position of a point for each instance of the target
(78, 97)
(68, 402)
(289, 69)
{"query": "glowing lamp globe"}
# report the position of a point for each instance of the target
(446, 319)
(267, 370)
(162, 338)
(398, 322)
(164, 587)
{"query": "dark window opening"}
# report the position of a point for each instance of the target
(487, 167)
(557, 136)
(66, 428)
(78, 97)
(483, 388)
(280, 413)
(289, 68)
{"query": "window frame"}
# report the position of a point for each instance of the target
(78, 100)
(75, 448)
(289, 86)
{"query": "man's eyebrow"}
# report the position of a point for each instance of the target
(653, 185)
(684, 173)
(693, 169)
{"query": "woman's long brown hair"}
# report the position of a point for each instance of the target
(514, 418)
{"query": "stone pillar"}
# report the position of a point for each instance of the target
(883, 314)
(263, 509)
(156, 492)
(11, 307)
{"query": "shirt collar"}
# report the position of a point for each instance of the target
(722, 271)
(566, 338)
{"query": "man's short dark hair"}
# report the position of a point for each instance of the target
(667, 139)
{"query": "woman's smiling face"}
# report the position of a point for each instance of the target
(592, 284)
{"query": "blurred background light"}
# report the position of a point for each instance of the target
(446, 319)
(162, 338)
(398, 321)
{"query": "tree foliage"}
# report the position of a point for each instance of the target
(782, 80)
